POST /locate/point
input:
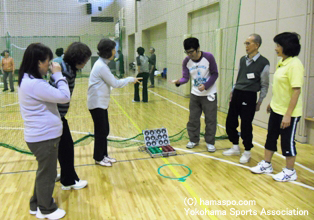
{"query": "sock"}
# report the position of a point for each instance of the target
(235, 146)
(290, 169)
(267, 162)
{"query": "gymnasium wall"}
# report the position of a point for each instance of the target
(267, 18)
(56, 19)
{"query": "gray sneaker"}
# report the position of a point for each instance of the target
(191, 145)
(211, 148)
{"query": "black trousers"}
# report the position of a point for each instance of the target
(243, 104)
(287, 135)
(136, 89)
(66, 156)
(151, 76)
(101, 132)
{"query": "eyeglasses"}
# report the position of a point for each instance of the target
(189, 52)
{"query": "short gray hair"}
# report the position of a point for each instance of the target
(257, 39)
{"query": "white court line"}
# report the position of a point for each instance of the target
(300, 165)
(239, 165)
(15, 103)
(9, 128)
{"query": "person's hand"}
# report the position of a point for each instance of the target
(285, 121)
(137, 80)
(175, 81)
(268, 108)
(230, 97)
(55, 67)
(115, 59)
(201, 87)
(258, 106)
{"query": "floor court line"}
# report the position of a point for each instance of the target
(15, 103)
(300, 165)
(186, 185)
(239, 165)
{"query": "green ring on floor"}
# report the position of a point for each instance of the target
(180, 179)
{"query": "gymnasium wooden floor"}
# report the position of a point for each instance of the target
(133, 189)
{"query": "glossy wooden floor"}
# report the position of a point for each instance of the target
(133, 189)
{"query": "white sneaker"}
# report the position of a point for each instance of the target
(235, 150)
(78, 185)
(285, 175)
(105, 162)
(32, 212)
(246, 156)
(58, 178)
(262, 167)
(59, 213)
(211, 148)
(110, 159)
(191, 145)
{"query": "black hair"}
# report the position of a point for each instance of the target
(77, 53)
(140, 51)
(33, 54)
(3, 53)
(290, 43)
(191, 42)
(105, 47)
(59, 52)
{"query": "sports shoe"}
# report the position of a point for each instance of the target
(235, 150)
(285, 175)
(262, 167)
(105, 162)
(32, 212)
(58, 178)
(191, 145)
(211, 148)
(59, 213)
(246, 156)
(151, 86)
(135, 101)
(110, 159)
(78, 185)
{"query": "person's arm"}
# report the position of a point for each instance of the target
(45, 92)
(138, 62)
(264, 86)
(153, 62)
(108, 78)
(185, 74)
(293, 102)
(13, 68)
(1, 68)
(213, 72)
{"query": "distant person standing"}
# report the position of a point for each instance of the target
(152, 67)
(7, 66)
(120, 59)
(142, 62)
(59, 53)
